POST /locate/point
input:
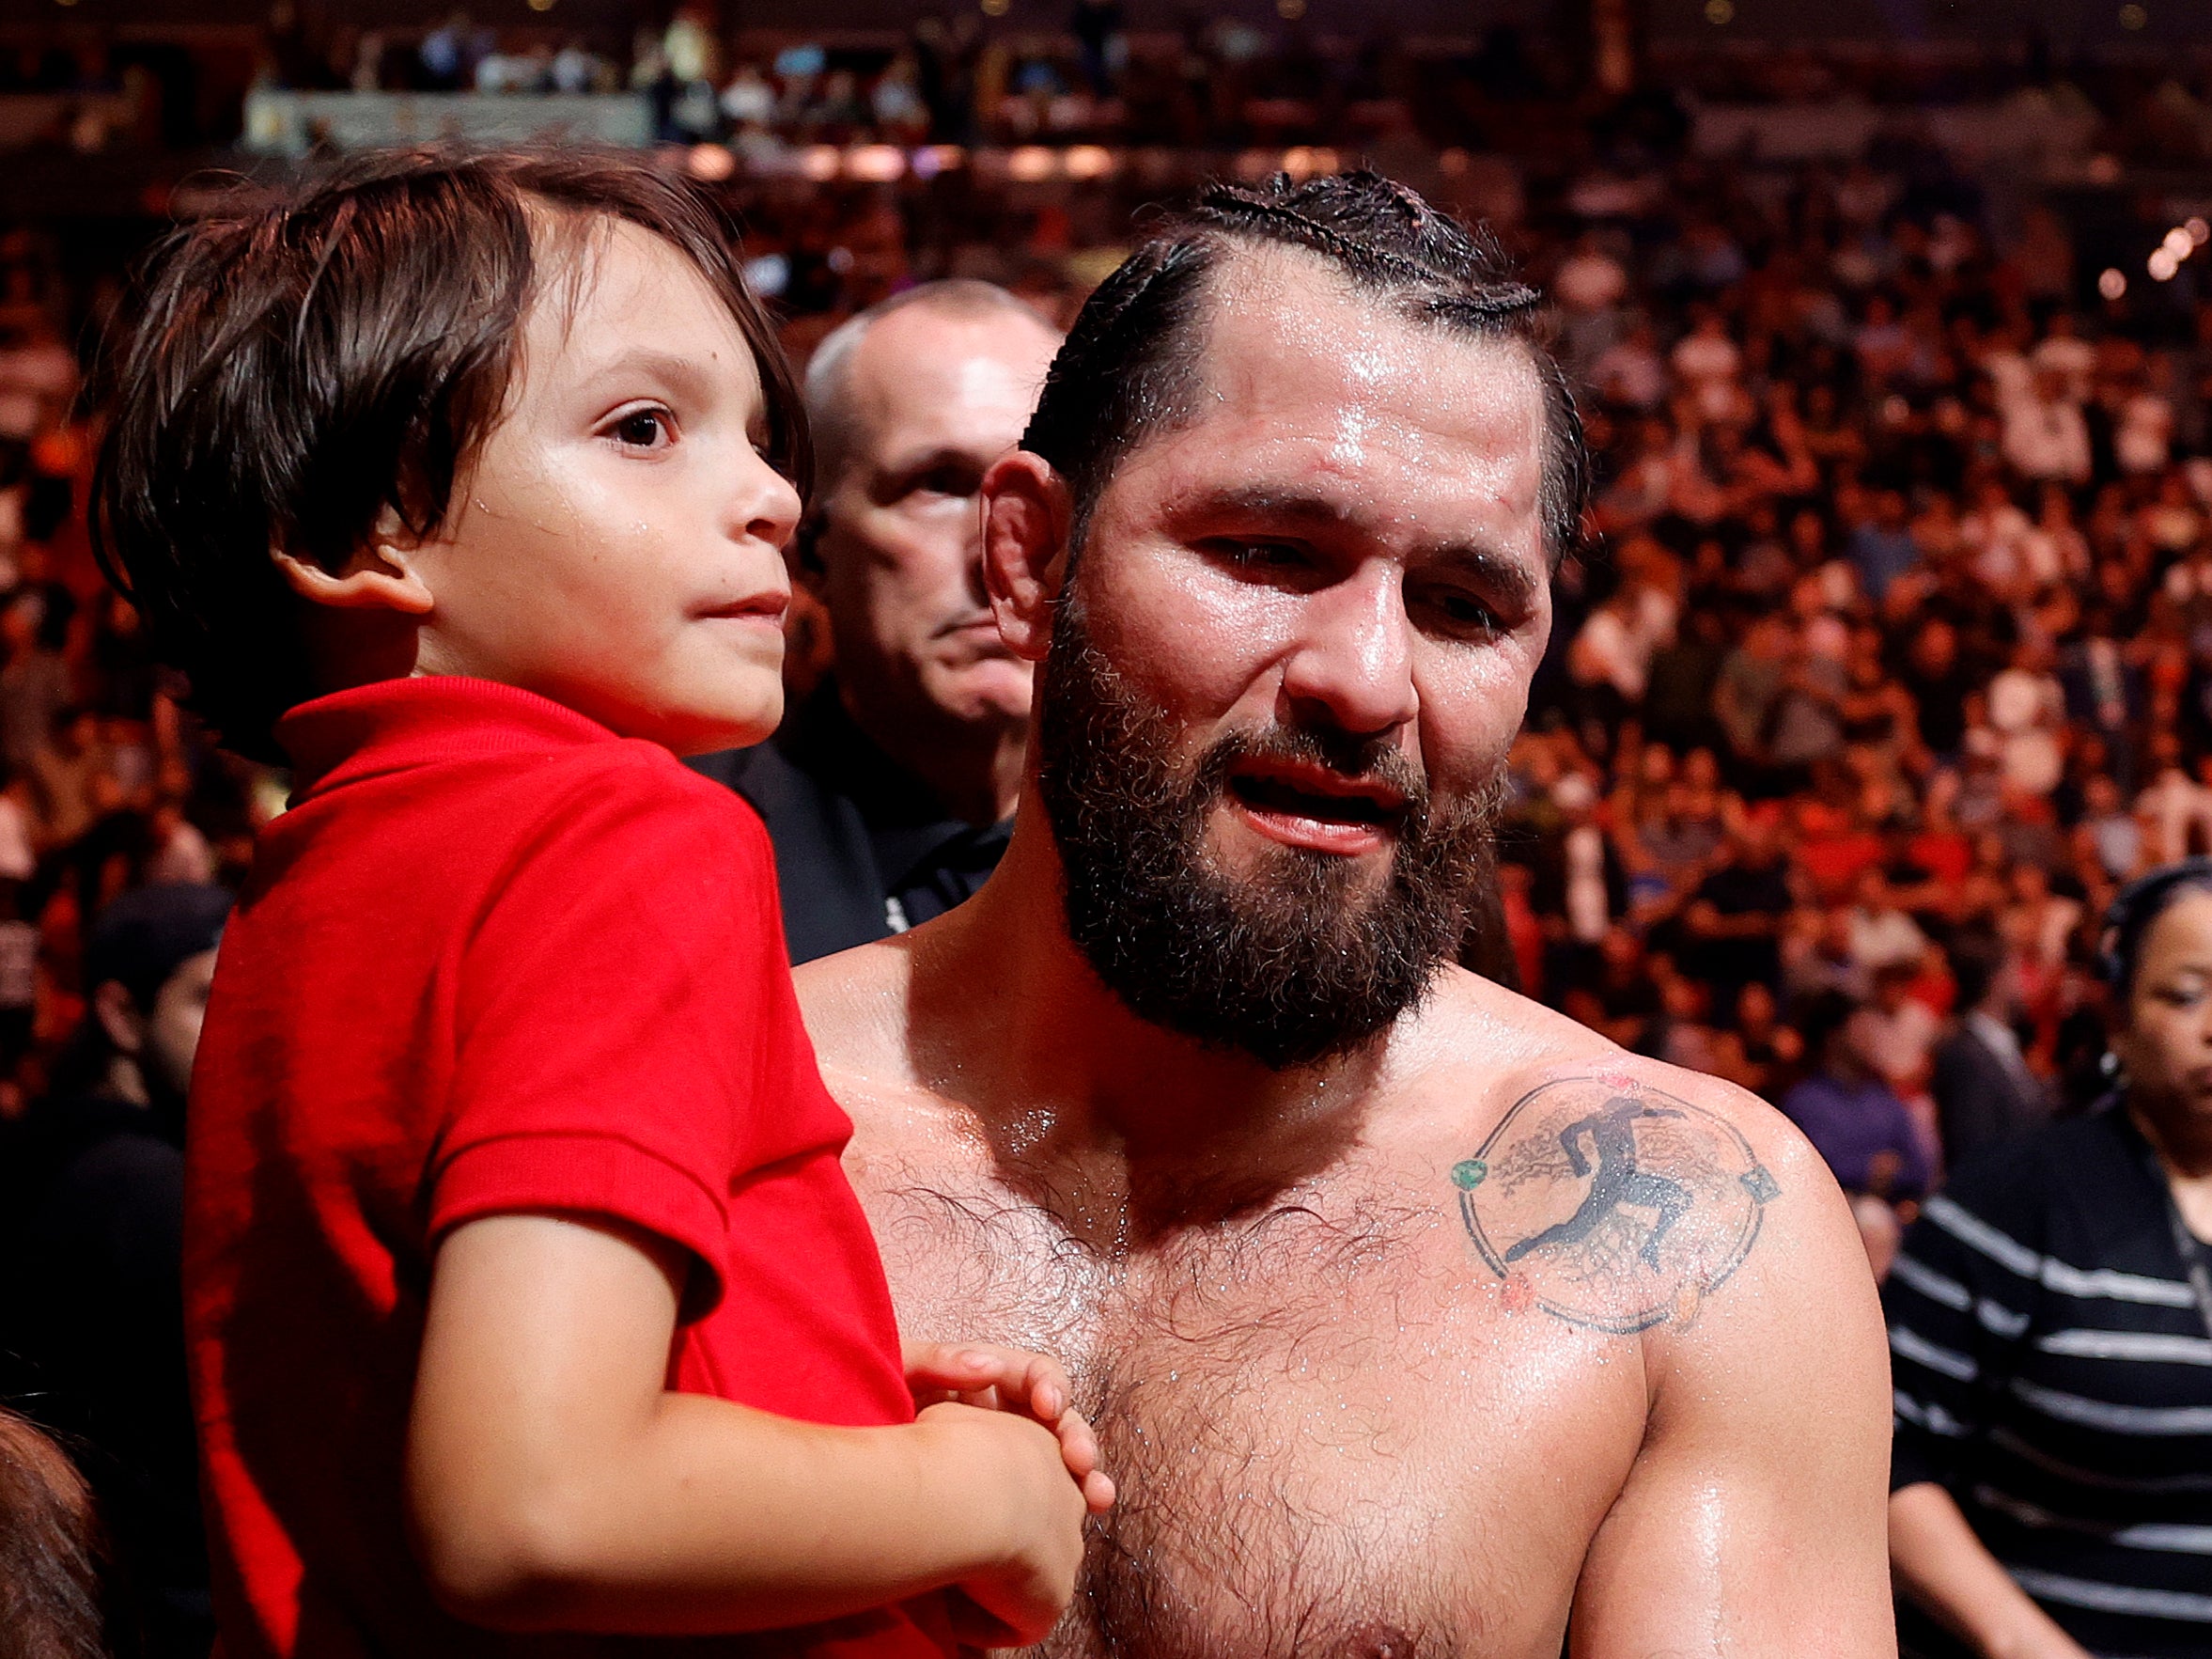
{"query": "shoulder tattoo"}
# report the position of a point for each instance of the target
(1611, 1205)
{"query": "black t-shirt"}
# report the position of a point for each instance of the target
(92, 1337)
(863, 848)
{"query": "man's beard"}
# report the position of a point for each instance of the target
(1289, 964)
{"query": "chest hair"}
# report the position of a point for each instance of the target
(1238, 1379)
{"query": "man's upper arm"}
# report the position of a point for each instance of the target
(1754, 1521)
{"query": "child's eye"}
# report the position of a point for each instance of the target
(643, 429)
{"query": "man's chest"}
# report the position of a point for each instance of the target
(1330, 1436)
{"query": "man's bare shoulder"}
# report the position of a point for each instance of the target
(854, 1004)
(1617, 1192)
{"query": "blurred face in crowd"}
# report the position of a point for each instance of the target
(173, 1024)
(1294, 651)
(618, 544)
(932, 398)
(2164, 1043)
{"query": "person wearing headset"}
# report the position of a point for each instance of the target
(2050, 1326)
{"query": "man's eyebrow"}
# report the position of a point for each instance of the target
(1272, 502)
(1503, 576)
(1506, 576)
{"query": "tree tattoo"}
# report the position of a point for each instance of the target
(1613, 1205)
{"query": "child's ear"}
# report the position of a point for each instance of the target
(381, 576)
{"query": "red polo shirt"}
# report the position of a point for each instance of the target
(494, 959)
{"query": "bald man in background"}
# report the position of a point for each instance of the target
(888, 790)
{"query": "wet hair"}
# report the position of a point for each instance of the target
(1129, 368)
(2128, 918)
(303, 361)
(50, 1600)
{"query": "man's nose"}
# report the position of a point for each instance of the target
(1354, 656)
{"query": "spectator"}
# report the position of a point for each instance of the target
(1984, 1089)
(1734, 919)
(1852, 1118)
(2052, 1440)
(90, 1251)
(887, 791)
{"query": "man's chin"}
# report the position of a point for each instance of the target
(984, 691)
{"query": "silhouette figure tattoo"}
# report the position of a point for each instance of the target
(1619, 1180)
(1610, 1204)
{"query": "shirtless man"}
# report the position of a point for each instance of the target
(1416, 1320)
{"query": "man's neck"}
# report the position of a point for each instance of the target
(973, 768)
(1123, 1129)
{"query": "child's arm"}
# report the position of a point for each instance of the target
(555, 1483)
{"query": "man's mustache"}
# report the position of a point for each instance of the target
(1370, 758)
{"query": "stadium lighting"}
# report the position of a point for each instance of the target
(2179, 244)
(2163, 264)
(875, 163)
(2199, 232)
(710, 163)
(2113, 285)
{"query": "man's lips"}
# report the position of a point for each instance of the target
(1308, 805)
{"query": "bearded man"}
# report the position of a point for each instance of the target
(1415, 1319)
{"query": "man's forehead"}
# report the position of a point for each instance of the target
(1288, 340)
(1304, 377)
(916, 353)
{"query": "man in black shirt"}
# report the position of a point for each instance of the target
(1734, 919)
(888, 789)
(91, 1222)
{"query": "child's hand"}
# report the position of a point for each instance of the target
(1031, 1517)
(1008, 1379)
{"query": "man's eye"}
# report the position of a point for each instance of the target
(1465, 614)
(643, 429)
(957, 482)
(1266, 556)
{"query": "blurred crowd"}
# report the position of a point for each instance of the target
(1889, 655)
(1887, 658)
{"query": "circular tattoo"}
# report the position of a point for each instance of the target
(1611, 1205)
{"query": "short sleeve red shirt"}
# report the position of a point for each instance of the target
(494, 959)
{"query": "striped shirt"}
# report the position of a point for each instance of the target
(2053, 1372)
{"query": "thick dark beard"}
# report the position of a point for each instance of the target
(1288, 966)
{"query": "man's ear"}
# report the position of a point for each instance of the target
(803, 554)
(1027, 513)
(381, 576)
(118, 1016)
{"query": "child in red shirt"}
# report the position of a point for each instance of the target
(523, 1291)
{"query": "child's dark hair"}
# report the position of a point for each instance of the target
(50, 1604)
(299, 364)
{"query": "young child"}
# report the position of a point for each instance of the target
(524, 1289)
